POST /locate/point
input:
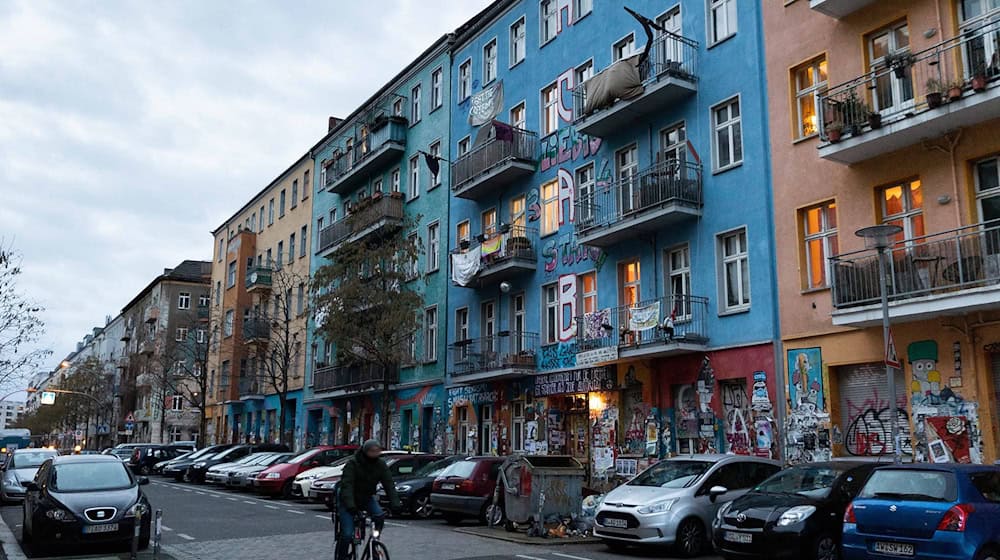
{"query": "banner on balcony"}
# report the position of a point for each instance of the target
(486, 104)
(594, 323)
(644, 318)
(491, 245)
(465, 266)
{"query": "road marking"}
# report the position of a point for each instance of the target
(213, 492)
(529, 557)
(199, 492)
(394, 524)
(321, 517)
(165, 528)
(18, 525)
(232, 499)
(251, 502)
(185, 537)
(295, 511)
(271, 507)
(187, 489)
(570, 556)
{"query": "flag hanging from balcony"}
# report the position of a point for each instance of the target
(594, 323)
(465, 266)
(491, 245)
(645, 317)
(486, 104)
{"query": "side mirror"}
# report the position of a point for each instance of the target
(143, 480)
(716, 491)
(30, 485)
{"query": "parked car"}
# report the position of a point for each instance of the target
(465, 489)
(414, 490)
(927, 511)
(797, 513)
(219, 474)
(124, 450)
(158, 467)
(78, 499)
(196, 472)
(401, 465)
(243, 476)
(277, 480)
(179, 468)
(675, 501)
(20, 468)
(302, 485)
(143, 459)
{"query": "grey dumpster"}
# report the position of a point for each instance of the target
(542, 484)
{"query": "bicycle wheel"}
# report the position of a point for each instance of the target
(377, 551)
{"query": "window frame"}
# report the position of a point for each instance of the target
(415, 112)
(731, 27)
(825, 235)
(435, 150)
(464, 81)
(184, 300)
(729, 124)
(413, 179)
(550, 333)
(549, 204)
(437, 88)
(490, 63)
(723, 274)
(430, 334)
(433, 246)
(549, 109)
(516, 40)
(817, 89)
(545, 18)
(523, 122)
(909, 212)
(621, 43)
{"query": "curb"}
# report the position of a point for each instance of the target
(521, 538)
(11, 548)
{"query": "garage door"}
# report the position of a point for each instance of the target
(865, 408)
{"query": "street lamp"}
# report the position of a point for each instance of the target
(880, 238)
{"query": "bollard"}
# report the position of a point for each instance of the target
(158, 533)
(135, 536)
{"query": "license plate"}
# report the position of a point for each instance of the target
(616, 523)
(106, 528)
(893, 548)
(447, 486)
(742, 538)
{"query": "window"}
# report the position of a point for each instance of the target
(319, 230)
(584, 72)
(517, 425)
(518, 218)
(300, 299)
(199, 336)
(550, 302)
(487, 323)
(377, 186)
(231, 275)
(988, 191)
(735, 271)
(549, 20)
(435, 151)
(461, 324)
(177, 404)
(303, 233)
(722, 20)
(550, 207)
(728, 149)
(227, 324)
(295, 193)
(437, 79)
(306, 186)
(433, 247)
(490, 62)
(260, 224)
(322, 175)
(281, 203)
(411, 348)
(586, 203)
(291, 248)
(550, 109)
(463, 146)
(430, 334)
(184, 300)
(679, 282)
(270, 212)
(181, 334)
(203, 300)
(518, 323)
(281, 255)
(623, 48)
(629, 277)
(891, 93)
(673, 145)
(415, 104)
(903, 206)
(627, 170)
(588, 292)
(810, 82)
(582, 8)
(463, 232)
(270, 259)
(465, 81)
(518, 118)
(414, 177)
(819, 228)
(397, 107)
(488, 221)
(517, 49)
(222, 248)
(463, 444)
(393, 181)
(414, 262)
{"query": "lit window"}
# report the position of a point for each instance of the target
(819, 227)
(735, 269)
(903, 206)
(588, 292)
(728, 135)
(629, 288)
(463, 231)
(550, 109)
(810, 82)
(550, 207)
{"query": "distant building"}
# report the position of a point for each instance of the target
(10, 411)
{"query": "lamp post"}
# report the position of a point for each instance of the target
(880, 238)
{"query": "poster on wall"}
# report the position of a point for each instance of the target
(805, 371)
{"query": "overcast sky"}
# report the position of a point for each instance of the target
(130, 130)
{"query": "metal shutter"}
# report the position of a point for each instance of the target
(864, 408)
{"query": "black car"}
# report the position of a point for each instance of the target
(179, 469)
(415, 490)
(143, 459)
(196, 472)
(80, 499)
(797, 513)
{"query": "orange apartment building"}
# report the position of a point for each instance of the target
(887, 112)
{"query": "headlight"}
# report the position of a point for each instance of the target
(199, 465)
(723, 510)
(59, 514)
(273, 475)
(795, 514)
(376, 533)
(403, 488)
(138, 509)
(658, 507)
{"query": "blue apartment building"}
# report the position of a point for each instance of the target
(371, 164)
(612, 282)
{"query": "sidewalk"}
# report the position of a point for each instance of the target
(521, 538)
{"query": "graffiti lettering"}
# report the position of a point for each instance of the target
(567, 145)
(556, 356)
(868, 430)
(567, 306)
(567, 251)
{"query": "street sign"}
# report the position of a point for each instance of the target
(891, 358)
(129, 426)
(48, 397)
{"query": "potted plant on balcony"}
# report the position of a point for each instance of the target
(978, 80)
(874, 120)
(899, 62)
(834, 130)
(376, 196)
(396, 194)
(935, 93)
(955, 90)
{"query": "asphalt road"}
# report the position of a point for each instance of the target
(207, 523)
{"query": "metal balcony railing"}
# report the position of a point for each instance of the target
(671, 181)
(351, 378)
(936, 264)
(251, 385)
(259, 277)
(522, 145)
(256, 330)
(385, 131)
(670, 56)
(366, 215)
(503, 350)
(615, 326)
(510, 243)
(898, 86)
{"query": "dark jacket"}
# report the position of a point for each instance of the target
(360, 478)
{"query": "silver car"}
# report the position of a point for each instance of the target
(675, 501)
(21, 468)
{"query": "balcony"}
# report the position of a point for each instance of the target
(351, 378)
(510, 154)
(259, 278)
(909, 99)
(147, 347)
(256, 331)
(251, 388)
(642, 331)
(949, 273)
(511, 251)
(377, 216)
(838, 8)
(623, 93)
(152, 314)
(384, 143)
(649, 200)
(505, 354)
(204, 313)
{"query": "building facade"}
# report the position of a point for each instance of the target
(259, 310)
(611, 241)
(885, 113)
(10, 412)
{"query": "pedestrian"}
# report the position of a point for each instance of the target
(356, 492)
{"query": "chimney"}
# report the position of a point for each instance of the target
(334, 121)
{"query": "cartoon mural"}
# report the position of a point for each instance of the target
(807, 428)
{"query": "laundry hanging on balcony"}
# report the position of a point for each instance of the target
(486, 104)
(645, 317)
(621, 80)
(594, 324)
(465, 266)
(492, 245)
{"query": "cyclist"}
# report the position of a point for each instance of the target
(356, 491)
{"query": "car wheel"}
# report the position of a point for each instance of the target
(690, 538)
(186, 476)
(988, 554)
(615, 546)
(826, 548)
(286, 490)
(422, 507)
(452, 519)
(484, 513)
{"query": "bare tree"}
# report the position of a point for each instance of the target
(368, 306)
(20, 323)
(190, 376)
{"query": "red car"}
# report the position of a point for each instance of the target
(277, 479)
(465, 489)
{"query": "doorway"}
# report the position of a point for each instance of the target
(426, 425)
(406, 428)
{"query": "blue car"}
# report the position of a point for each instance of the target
(930, 512)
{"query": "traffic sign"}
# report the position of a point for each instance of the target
(130, 418)
(47, 397)
(891, 358)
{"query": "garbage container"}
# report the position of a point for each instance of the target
(542, 485)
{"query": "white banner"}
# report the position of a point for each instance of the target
(644, 318)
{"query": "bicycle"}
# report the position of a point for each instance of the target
(374, 548)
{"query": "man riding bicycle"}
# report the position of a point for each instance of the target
(356, 491)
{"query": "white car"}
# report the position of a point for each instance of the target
(302, 483)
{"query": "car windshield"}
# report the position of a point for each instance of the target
(275, 459)
(89, 477)
(303, 457)
(203, 453)
(671, 474)
(461, 469)
(30, 459)
(813, 481)
(226, 453)
(122, 452)
(433, 469)
(911, 485)
(184, 455)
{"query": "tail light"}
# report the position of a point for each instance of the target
(436, 485)
(956, 518)
(467, 485)
(525, 489)
(849, 514)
